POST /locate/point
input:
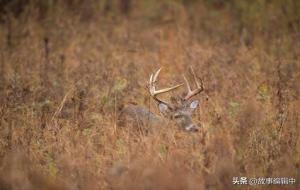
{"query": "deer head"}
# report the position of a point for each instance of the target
(180, 111)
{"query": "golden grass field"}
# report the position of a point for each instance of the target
(68, 68)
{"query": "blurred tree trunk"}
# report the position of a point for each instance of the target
(125, 6)
(120, 6)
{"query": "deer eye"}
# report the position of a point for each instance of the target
(176, 115)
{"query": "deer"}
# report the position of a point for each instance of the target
(179, 111)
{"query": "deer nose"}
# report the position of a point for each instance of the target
(191, 128)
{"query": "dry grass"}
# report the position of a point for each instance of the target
(65, 74)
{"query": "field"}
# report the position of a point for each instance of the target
(68, 68)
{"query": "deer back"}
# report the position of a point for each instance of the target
(138, 116)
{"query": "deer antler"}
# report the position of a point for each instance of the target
(199, 88)
(154, 92)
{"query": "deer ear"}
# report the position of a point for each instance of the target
(162, 107)
(194, 104)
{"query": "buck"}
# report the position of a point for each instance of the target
(180, 111)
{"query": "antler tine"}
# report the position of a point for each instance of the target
(199, 88)
(195, 78)
(150, 80)
(187, 84)
(156, 75)
(154, 92)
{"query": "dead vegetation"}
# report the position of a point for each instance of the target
(66, 69)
